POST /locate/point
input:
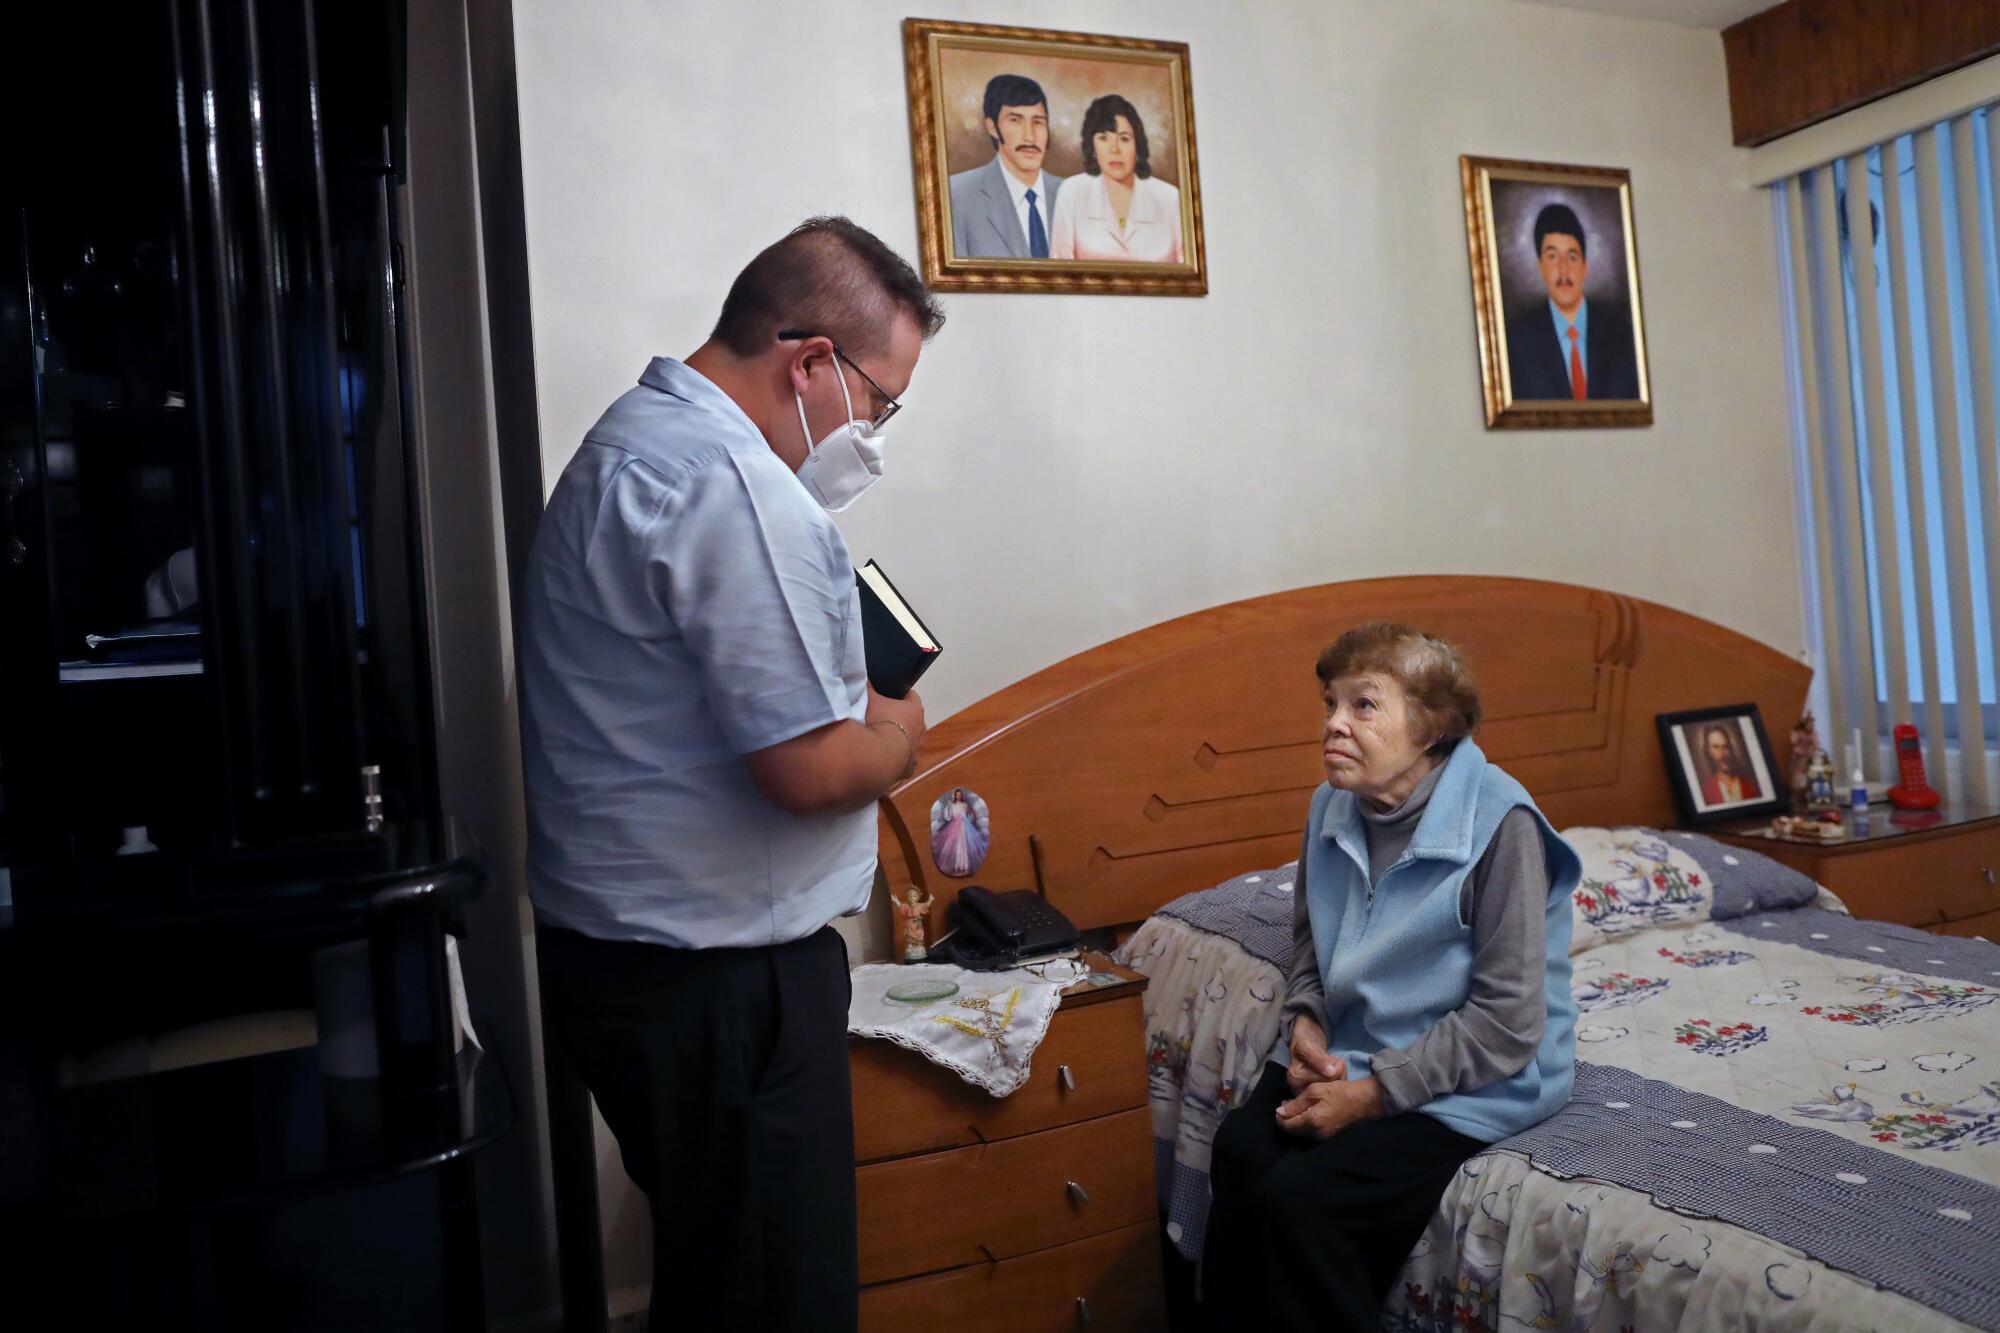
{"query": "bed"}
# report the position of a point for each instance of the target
(1782, 1116)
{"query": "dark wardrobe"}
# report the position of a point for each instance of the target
(217, 759)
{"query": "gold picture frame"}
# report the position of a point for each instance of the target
(1516, 296)
(950, 66)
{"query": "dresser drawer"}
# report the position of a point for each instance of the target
(905, 1104)
(995, 1201)
(1985, 926)
(1921, 883)
(1104, 1283)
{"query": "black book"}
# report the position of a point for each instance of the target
(899, 648)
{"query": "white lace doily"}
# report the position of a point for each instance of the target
(985, 1033)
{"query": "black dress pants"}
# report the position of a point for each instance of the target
(723, 1074)
(1309, 1233)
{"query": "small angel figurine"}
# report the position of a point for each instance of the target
(1820, 794)
(1805, 740)
(912, 921)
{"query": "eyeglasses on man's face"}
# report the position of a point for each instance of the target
(889, 406)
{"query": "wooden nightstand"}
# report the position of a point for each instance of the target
(1938, 869)
(1033, 1211)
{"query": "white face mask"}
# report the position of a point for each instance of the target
(845, 463)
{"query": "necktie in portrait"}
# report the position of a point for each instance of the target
(1579, 387)
(1038, 236)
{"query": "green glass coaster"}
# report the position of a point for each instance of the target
(921, 992)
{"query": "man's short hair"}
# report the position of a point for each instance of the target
(828, 276)
(1561, 219)
(1005, 90)
(1101, 117)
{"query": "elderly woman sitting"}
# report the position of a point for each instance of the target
(1428, 1007)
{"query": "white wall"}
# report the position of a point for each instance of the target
(1072, 468)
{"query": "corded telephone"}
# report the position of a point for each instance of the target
(1001, 929)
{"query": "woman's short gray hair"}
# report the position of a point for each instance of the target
(1444, 702)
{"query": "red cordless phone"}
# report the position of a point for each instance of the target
(1914, 792)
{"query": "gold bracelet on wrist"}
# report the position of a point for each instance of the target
(912, 764)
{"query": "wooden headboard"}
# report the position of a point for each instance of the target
(1177, 756)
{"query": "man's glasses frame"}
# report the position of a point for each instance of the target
(890, 405)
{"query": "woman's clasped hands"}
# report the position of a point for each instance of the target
(1324, 1100)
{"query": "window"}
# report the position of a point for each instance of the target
(1895, 345)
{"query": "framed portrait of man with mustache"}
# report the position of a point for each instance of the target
(1053, 161)
(1555, 284)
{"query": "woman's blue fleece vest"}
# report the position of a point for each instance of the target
(1396, 959)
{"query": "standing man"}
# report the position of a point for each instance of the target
(703, 753)
(1004, 209)
(1570, 347)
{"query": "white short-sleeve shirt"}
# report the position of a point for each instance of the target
(685, 603)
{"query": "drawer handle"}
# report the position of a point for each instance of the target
(1077, 1193)
(1082, 1312)
(1068, 1080)
(1987, 871)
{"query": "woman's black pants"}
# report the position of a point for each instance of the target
(1309, 1233)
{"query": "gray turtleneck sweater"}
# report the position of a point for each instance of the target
(1496, 1031)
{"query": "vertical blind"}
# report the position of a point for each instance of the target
(1892, 299)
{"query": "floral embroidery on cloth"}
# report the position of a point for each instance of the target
(994, 1014)
(1446, 1307)
(1705, 957)
(1704, 1037)
(1615, 990)
(1901, 998)
(986, 1031)
(1970, 1121)
(1633, 880)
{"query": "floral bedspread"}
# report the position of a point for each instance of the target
(1215, 961)
(1783, 1117)
(1790, 1119)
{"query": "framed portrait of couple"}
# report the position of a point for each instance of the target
(1720, 765)
(1555, 291)
(1053, 161)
